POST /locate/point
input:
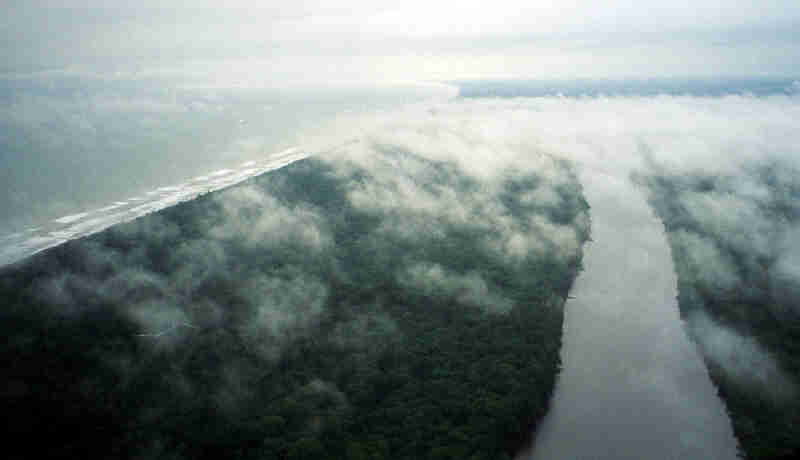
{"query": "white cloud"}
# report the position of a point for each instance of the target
(468, 288)
(380, 40)
(706, 262)
(283, 308)
(741, 357)
(259, 219)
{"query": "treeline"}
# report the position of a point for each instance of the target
(740, 285)
(282, 319)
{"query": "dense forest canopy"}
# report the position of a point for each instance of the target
(372, 303)
(734, 242)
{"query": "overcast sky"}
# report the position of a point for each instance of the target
(311, 41)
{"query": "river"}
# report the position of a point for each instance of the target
(632, 384)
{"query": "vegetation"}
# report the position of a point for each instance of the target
(283, 318)
(742, 285)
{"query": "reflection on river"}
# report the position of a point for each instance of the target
(632, 385)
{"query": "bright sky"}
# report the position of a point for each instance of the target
(311, 41)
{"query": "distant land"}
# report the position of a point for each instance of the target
(710, 87)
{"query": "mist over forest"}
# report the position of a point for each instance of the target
(401, 295)
(380, 301)
(734, 241)
(361, 229)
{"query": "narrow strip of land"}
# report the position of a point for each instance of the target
(632, 384)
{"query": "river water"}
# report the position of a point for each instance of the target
(632, 384)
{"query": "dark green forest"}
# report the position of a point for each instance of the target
(730, 236)
(395, 308)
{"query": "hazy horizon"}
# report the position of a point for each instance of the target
(312, 43)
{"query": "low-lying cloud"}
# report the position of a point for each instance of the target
(426, 192)
(262, 220)
(469, 288)
(722, 170)
(426, 217)
(741, 358)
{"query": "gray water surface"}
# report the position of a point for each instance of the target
(632, 384)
